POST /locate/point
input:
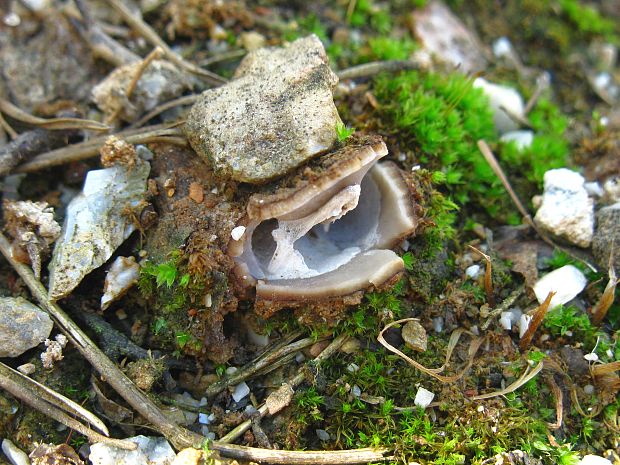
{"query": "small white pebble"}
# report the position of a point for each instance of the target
(405, 245)
(524, 323)
(300, 357)
(480, 409)
(475, 330)
(602, 80)
(415, 167)
(231, 370)
(544, 338)
(237, 233)
(241, 390)
(352, 367)
(203, 418)
(12, 19)
(14, 453)
(594, 460)
(208, 300)
(591, 357)
(588, 389)
(502, 47)
(568, 334)
(356, 391)
(438, 324)
(505, 320)
(423, 397)
(610, 353)
(473, 271)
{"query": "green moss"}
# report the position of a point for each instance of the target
(390, 48)
(442, 118)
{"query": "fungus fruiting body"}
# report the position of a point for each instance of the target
(330, 235)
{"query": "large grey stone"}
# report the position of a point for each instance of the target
(22, 326)
(566, 210)
(607, 237)
(277, 113)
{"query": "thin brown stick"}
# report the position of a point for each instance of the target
(375, 67)
(17, 389)
(185, 100)
(257, 366)
(7, 127)
(488, 277)
(264, 409)
(334, 457)
(90, 148)
(49, 395)
(178, 436)
(542, 83)
(539, 316)
(504, 306)
(154, 55)
(607, 299)
(50, 123)
(559, 402)
(151, 36)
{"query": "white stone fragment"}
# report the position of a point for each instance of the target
(241, 390)
(356, 391)
(150, 451)
(352, 367)
(14, 453)
(505, 321)
(96, 224)
(505, 101)
(423, 397)
(594, 460)
(122, 275)
(26, 369)
(566, 282)
(524, 323)
(438, 324)
(237, 233)
(473, 271)
(502, 47)
(588, 389)
(566, 209)
(522, 138)
(203, 418)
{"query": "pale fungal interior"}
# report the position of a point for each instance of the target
(322, 241)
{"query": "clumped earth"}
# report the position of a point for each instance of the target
(487, 372)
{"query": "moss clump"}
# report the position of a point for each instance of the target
(443, 117)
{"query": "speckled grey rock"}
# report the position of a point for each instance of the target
(566, 210)
(277, 113)
(22, 326)
(607, 237)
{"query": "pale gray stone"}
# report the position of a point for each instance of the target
(96, 224)
(276, 114)
(22, 326)
(606, 240)
(566, 209)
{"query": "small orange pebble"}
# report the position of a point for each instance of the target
(196, 193)
(192, 312)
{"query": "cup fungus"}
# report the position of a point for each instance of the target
(325, 235)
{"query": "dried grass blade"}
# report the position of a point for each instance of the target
(539, 316)
(58, 400)
(527, 375)
(605, 368)
(50, 123)
(488, 277)
(607, 299)
(474, 345)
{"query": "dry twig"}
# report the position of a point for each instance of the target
(90, 148)
(151, 36)
(488, 277)
(539, 316)
(375, 67)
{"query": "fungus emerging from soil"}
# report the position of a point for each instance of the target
(329, 235)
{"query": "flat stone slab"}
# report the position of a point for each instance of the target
(276, 114)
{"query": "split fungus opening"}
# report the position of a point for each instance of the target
(331, 235)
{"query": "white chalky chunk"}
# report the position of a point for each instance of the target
(566, 282)
(241, 391)
(237, 233)
(423, 397)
